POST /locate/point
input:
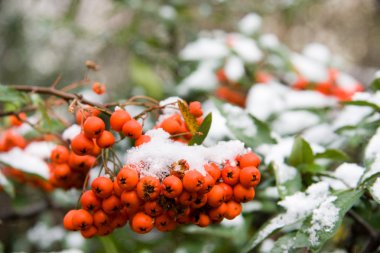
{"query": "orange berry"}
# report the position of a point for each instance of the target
(193, 181)
(202, 220)
(153, 209)
(101, 219)
(111, 204)
(242, 194)
(102, 187)
(199, 201)
(218, 213)
(233, 210)
(228, 191)
(81, 145)
(216, 196)
(208, 184)
(148, 188)
(99, 88)
(105, 140)
(186, 198)
(172, 187)
(68, 220)
(104, 231)
(141, 223)
(119, 220)
(117, 190)
(127, 178)
(213, 170)
(249, 159)
(142, 139)
(132, 128)
(93, 127)
(82, 115)
(81, 163)
(230, 175)
(118, 119)
(89, 201)
(59, 154)
(89, 232)
(96, 150)
(171, 126)
(196, 109)
(164, 223)
(131, 201)
(250, 177)
(82, 219)
(17, 120)
(61, 172)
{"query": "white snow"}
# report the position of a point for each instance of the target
(40, 149)
(246, 48)
(234, 68)
(346, 176)
(375, 190)
(373, 147)
(266, 246)
(377, 74)
(291, 122)
(318, 52)
(324, 218)
(310, 69)
(71, 132)
(154, 161)
(238, 221)
(167, 12)
(204, 49)
(45, 236)
(239, 119)
(347, 82)
(250, 24)
(21, 160)
(269, 41)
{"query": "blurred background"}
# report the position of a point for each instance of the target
(137, 45)
(131, 39)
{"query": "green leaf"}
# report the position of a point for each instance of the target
(363, 103)
(286, 186)
(202, 131)
(143, 75)
(314, 236)
(260, 132)
(375, 85)
(333, 154)
(372, 189)
(108, 244)
(311, 168)
(301, 153)
(12, 98)
(7, 185)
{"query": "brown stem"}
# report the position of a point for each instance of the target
(61, 94)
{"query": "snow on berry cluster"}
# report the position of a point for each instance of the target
(167, 183)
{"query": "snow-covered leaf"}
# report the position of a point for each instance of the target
(324, 221)
(6, 185)
(285, 243)
(363, 103)
(374, 189)
(302, 153)
(288, 179)
(202, 131)
(27, 163)
(245, 127)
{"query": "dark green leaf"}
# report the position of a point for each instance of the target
(311, 168)
(363, 103)
(202, 131)
(333, 154)
(375, 85)
(301, 153)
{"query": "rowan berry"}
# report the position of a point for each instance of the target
(89, 201)
(195, 108)
(117, 190)
(82, 219)
(193, 181)
(83, 114)
(118, 119)
(131, 201)
(148, 188)
(81, 145)
(250, 177)
(216, 196)
(81, 163)
(61, 172)
(119, 220)
(242, 194)
(141, 223)
(153, 209)
(164, 223)
(199, 201)
(172, 187)
(142, 139)
(105, 140)
(233, 210)
(186, 198)
(171, 125)
(202, 220)
(127, 178)
(208, 184)
(102, 187)
(68, 220)
(59, 154)
(101, 219)
(228, 191)
(111, 204)
(230, 174)
(89, 232)
(217, 213)
(213, 170)
(93, 127)
(249, 159)
(99, 88)
(132, 128)
(17, 120)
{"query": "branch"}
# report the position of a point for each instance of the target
(61, 94)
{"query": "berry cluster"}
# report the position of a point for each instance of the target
(184, 196)
(175, 124)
